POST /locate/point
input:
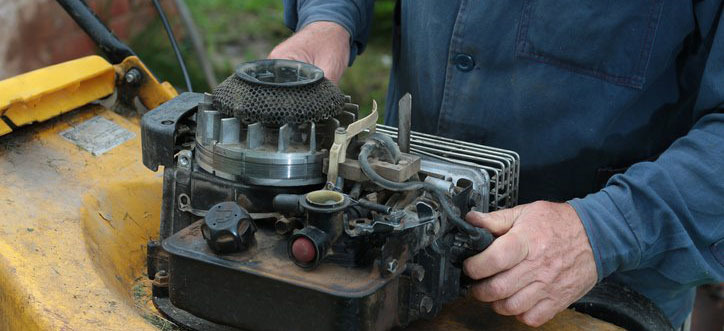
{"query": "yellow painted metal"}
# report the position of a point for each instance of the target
(150, 91)
(48, 92)
(4, 128)
(39, 95)
(74, 229)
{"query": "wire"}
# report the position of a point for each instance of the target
(174, 45)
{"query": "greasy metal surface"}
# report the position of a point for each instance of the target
(342, 138)
(268, 258)
(158, 129)
(48, 92)
(409, 166)
(502, 166)
(74, 228)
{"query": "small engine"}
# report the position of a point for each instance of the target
(284, 208)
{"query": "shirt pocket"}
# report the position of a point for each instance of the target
(607, 39)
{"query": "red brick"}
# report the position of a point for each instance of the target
(50, 36)
(120, 26)
(120, 7)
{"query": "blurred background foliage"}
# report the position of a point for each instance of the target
(236, 31)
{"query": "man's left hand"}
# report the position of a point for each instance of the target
(540, 263)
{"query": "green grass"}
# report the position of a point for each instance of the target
(236, 31)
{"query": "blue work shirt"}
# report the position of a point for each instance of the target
(580, 89)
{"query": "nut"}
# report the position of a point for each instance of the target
(133, 76)
(160, 279)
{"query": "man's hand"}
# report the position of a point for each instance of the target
(540, 263)
(324, 44)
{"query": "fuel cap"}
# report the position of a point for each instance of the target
(228, 228)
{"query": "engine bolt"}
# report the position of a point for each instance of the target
(161, 279)
(391, 265)
(133, 76)
(183, 161)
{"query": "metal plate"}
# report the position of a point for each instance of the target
(97, 135)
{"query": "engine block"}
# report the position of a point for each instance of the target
(284, 209)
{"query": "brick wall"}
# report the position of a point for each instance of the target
(37, 33)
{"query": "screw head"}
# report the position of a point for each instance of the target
(183, 161)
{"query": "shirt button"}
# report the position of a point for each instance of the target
(464, 62)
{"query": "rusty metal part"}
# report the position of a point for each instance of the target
(161, 279)
(408, 166)
(262, 259)
(342, 138)
(261, 269)
(285, 225)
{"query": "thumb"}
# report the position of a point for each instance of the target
(497, 222)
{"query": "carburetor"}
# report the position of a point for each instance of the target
(283, 209)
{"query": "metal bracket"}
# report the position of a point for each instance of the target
(342, 138)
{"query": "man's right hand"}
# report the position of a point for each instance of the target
(324, 44)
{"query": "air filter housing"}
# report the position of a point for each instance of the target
(271, 123)
(278, 92)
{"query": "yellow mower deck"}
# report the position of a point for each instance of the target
(75, 224)
(74, 228)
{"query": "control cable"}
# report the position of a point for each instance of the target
(174, 45)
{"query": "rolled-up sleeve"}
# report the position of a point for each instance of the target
(668, 215)
(354, 15)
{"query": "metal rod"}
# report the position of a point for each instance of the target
(404, 116)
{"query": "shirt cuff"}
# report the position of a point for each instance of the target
(614, 243)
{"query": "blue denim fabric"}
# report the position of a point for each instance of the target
(578, 88)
